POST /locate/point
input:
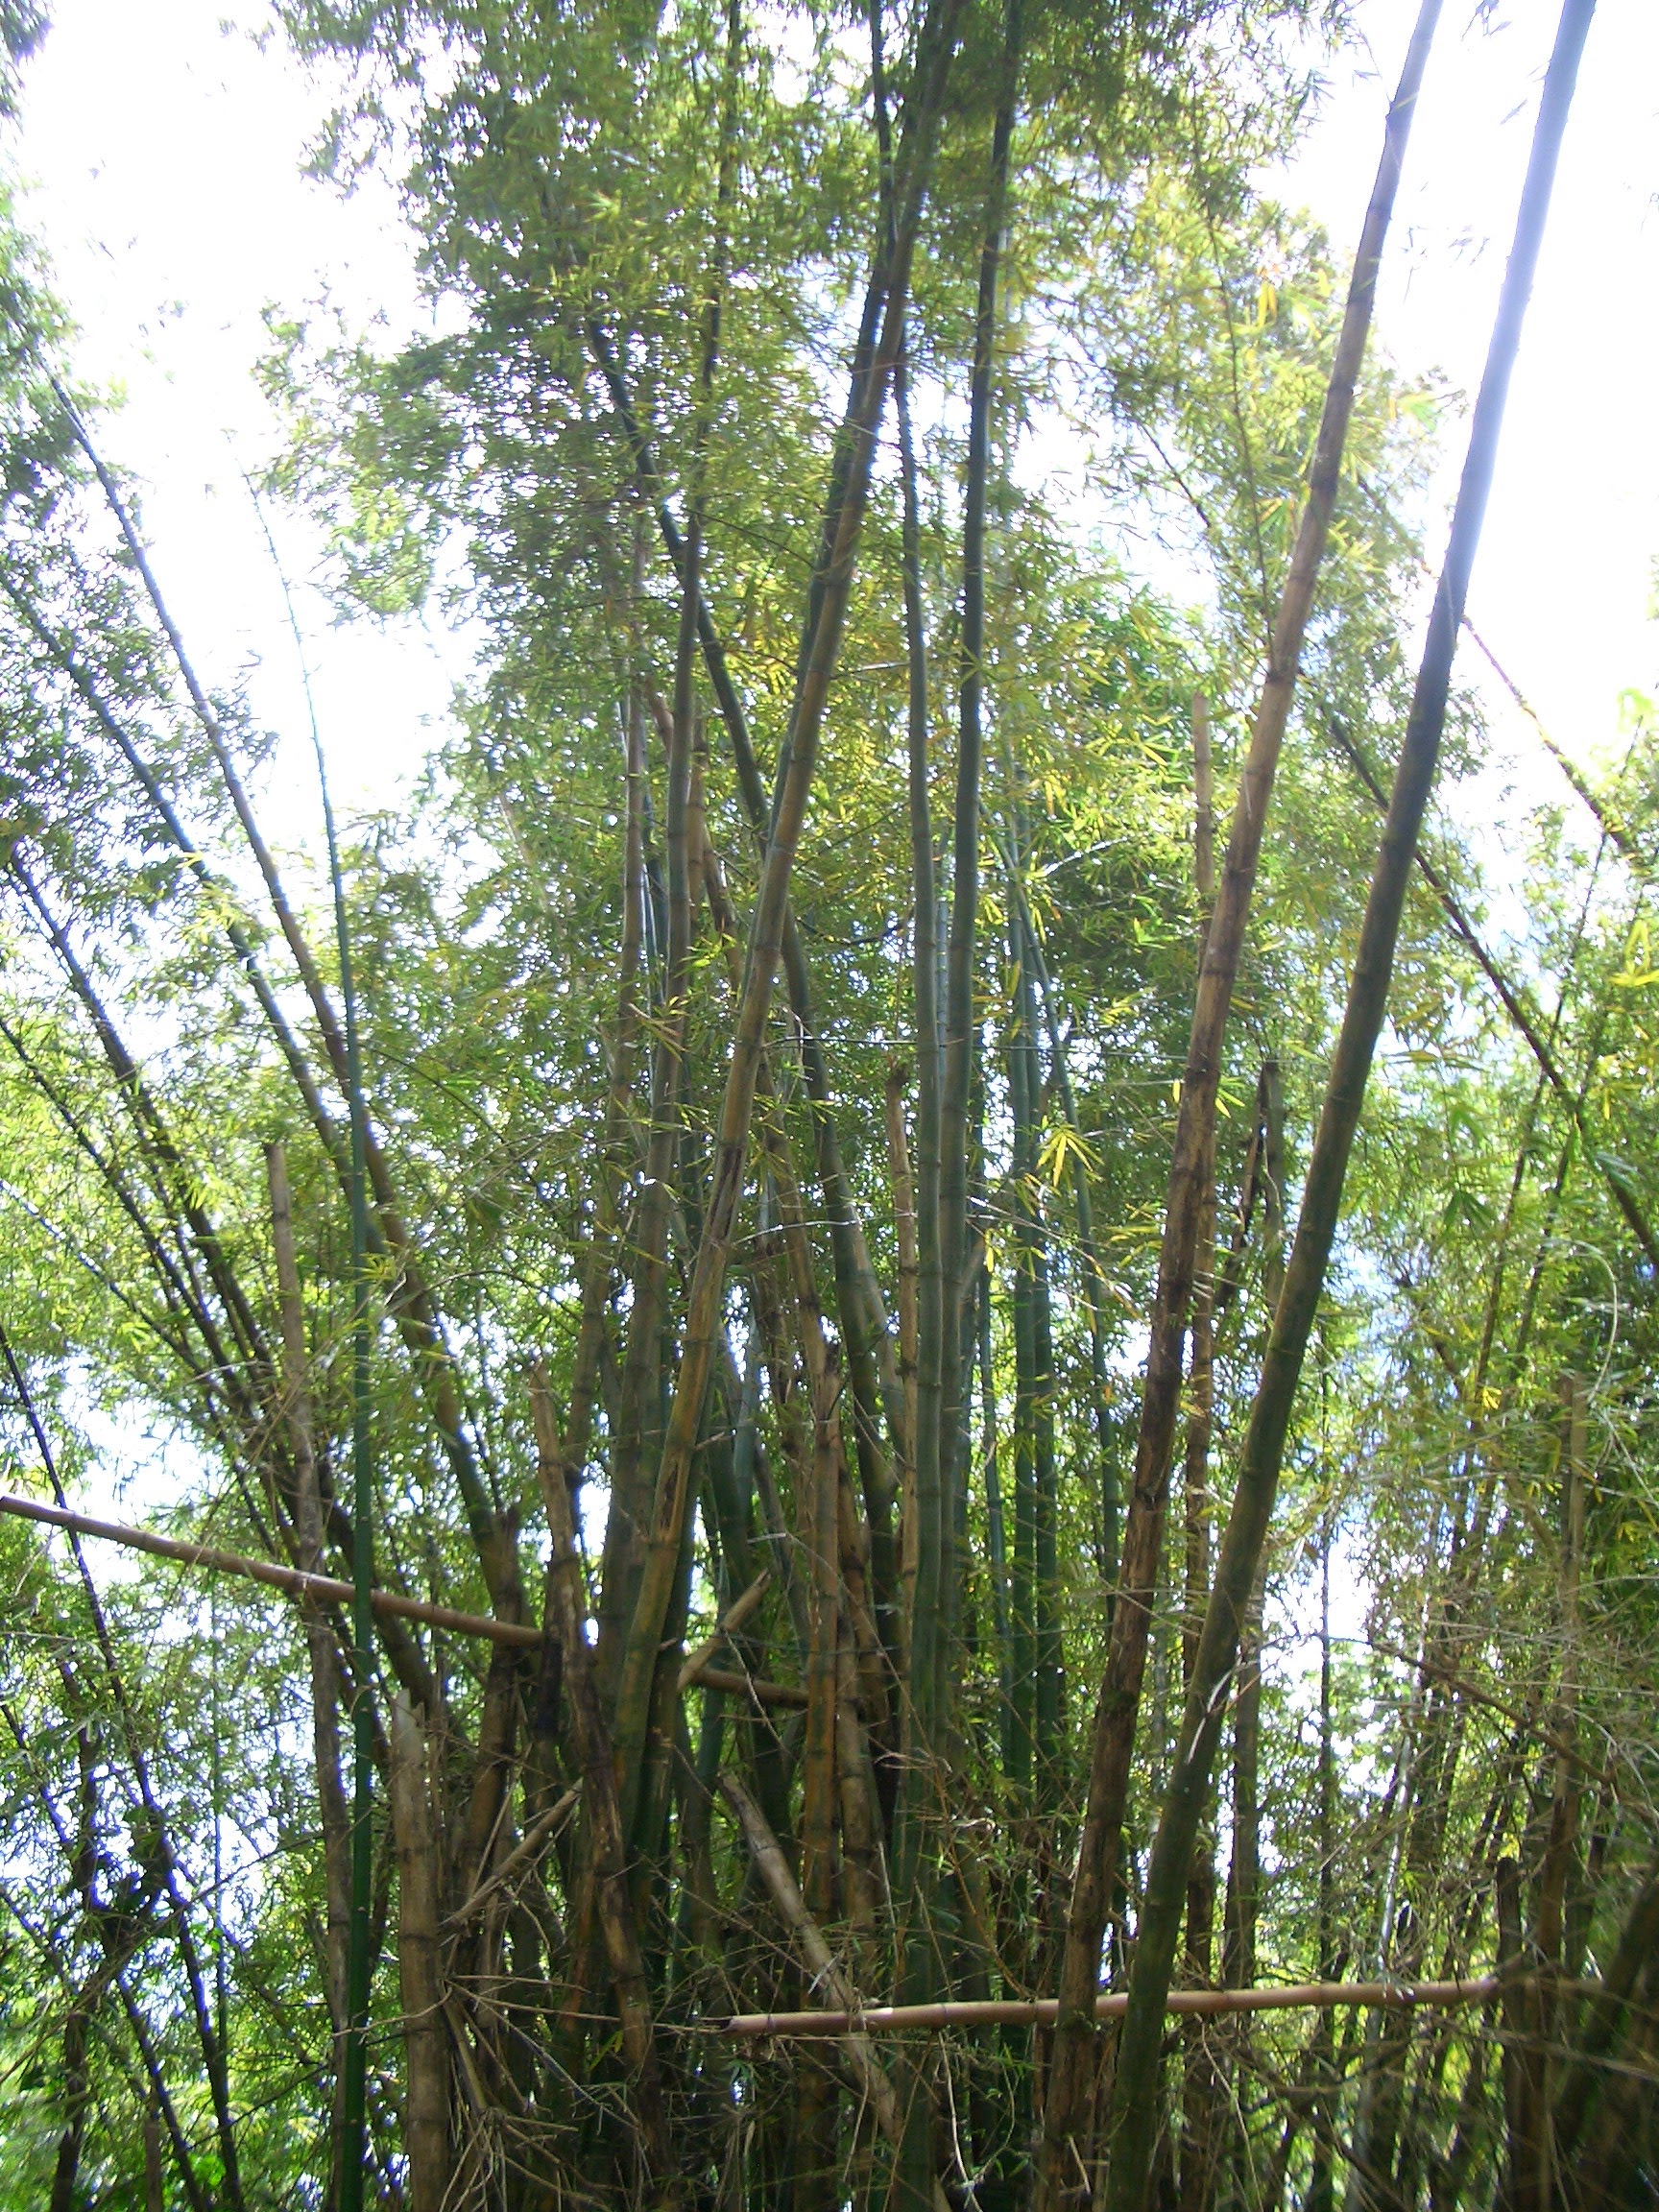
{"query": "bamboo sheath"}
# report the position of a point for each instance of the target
(1041, 2012)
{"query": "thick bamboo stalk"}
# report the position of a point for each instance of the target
(1134, 2109)
(828, 602)
(612, 1907)
(426, 2061)
(325, 1588)
(1071, 2084)
(1042, 2011)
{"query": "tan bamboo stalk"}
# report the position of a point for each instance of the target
(1183, 2003)
(426, 2053)
(155, 2200)
(786, 1694)
(1134, 2086)
(1244, 1867)
(321, 1647)
(610, 1899)
(820, 1537)
(1072, 2081)
(323, 1588)
(728, 1624)
(828, 602)
(861, 1874)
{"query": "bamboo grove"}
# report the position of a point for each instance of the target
(904, 1367)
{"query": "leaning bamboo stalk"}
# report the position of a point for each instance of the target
(415, 1309)
(1134, 2095)
(729, 1623)
(1071, 2084)
(427, 2062)
(323, 1589)
(523, 1852)
(773, 1869)
(1040, 2012)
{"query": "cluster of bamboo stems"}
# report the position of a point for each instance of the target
(559, 1882)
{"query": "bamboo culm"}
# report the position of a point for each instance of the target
(1134, 2096)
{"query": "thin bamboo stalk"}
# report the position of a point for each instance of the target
(1134, 2109)
(1072, 2081)
(1026, 2013)
(322, 1589)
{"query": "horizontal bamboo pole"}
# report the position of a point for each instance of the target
(1013, 2012)
(747, 1686)
(323, 1588)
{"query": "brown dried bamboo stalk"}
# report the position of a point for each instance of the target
(749, 1686)
(521, 1854)
(323, 1589)
(732, 1619)
(773, 1869)
(1018, 2012)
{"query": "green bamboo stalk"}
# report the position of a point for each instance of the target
(1071, 2081)
(844, 520)
(1134, 2109)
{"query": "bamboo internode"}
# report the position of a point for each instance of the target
(1016, 2012)
(325, 1589)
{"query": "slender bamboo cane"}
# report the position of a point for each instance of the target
(1182, 2003)
(325, 1589)
(1071, 2085)
(1134, 2095)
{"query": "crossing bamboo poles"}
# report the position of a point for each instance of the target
(1135, 2102)
(1071, 2080)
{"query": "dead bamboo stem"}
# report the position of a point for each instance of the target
(1026, 2013)
(322, 1589)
